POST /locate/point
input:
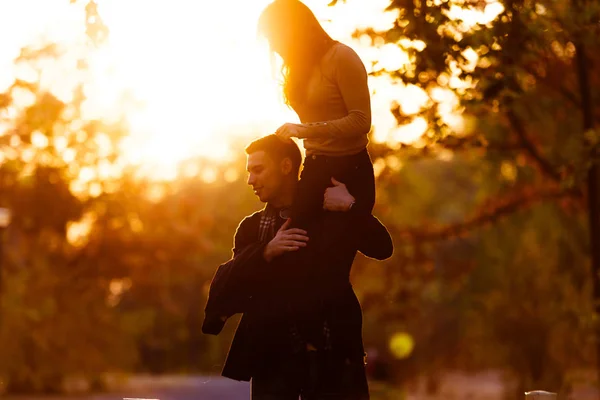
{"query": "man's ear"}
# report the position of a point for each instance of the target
(286, 166)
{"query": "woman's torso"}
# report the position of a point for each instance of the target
(324, 102)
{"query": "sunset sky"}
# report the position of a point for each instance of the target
(188, 75)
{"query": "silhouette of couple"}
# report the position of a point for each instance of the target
(300, 335)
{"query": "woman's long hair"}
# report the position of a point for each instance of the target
(294, 27)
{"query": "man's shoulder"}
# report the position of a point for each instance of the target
(252, 219)
(255, 216)
(247, 230)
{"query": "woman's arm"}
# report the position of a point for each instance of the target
(351, 78)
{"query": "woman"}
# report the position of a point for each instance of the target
(325, 82)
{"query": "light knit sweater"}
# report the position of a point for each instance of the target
(337, 108)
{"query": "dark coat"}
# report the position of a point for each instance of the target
(245, 283)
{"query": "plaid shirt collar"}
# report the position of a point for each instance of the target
(266, 229)
(268, 222)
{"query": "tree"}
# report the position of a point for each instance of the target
(55, 319)
(528, 103)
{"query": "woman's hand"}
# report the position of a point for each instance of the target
(337, 197)
(288, 130)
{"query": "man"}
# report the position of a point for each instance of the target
(267, 347)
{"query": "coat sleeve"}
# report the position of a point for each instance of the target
(234, 281)
(375, 242)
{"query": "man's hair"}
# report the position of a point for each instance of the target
(278, 150)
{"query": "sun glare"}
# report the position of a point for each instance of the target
(189, 77)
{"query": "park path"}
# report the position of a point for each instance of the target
(165, 388)
(455, 386)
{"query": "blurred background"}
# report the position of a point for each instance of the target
(122, 180)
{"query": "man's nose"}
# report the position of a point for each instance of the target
(250, 179)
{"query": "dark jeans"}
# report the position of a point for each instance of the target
(355, 171)
(320, 272)
(312, 376)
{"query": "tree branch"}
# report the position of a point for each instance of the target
(519, 129)
(485, 217)
(554, 86)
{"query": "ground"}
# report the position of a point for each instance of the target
(455, 386)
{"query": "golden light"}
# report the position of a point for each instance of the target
(116, 289)
(473, 15)
(188, 77)
(401, 345)
(78, 232)
(411, 132)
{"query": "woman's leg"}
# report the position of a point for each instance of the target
(308, 199)
(306, 213)
(356, 172)
(341, 231)
(325, 264)
(331, 230)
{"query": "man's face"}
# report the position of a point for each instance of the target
(265, 176)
